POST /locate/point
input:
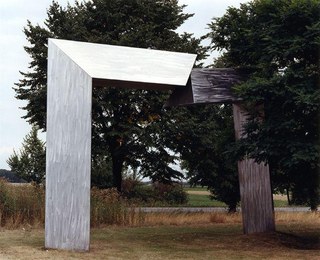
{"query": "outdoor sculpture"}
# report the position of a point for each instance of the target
(213, 86)
(73, 69)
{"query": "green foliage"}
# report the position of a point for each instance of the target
(203, 142)
(171, 194)
(29, 162)
(155, 194)
(101, 172)
(136, 191)
(279, 41)
(121, 118)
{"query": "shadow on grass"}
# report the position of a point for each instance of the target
(299, 242)
(216, 241)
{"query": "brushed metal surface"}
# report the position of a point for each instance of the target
(214, 85)
(208, 86)
(73, 69)
(68, 154)
(120, 63)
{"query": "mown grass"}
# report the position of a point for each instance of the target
(280, 203)
(195, 188)
(293, 240)
(199, 197)
(200, 200)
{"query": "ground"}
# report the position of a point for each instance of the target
(293, 240)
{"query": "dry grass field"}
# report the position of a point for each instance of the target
(180, 236)
(120, 232)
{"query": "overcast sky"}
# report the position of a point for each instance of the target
(13, 17)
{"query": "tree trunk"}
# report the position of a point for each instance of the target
(313, 191)
(255, 188)
(288, 196)
(117, 164)
(232, 208)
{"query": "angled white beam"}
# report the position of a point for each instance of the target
(73, 68)
(120, 64)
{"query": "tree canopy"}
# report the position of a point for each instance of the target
(203, 143)
(279, 42)
(29, 162)
(121, 118)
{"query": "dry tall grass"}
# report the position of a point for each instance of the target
(108, 208)
(24, 206)
(298, 217)
(21, 205)
(199, 218)
(195, 218)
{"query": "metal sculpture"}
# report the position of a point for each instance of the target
(73, 69)
(214, 86)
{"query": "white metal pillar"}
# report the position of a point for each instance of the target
(73, 69)
(68, 154)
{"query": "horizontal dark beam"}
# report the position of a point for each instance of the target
(208, 86)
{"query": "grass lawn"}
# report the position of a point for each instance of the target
(199, 197)
(196, 188)
(199, 200)
(280, 203)
(214, 241)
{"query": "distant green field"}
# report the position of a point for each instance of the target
(203, 200)
(197, 188)
(280, 203)
(199, 197)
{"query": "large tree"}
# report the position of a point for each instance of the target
(279, 41)
(121, 118)
(203, 142)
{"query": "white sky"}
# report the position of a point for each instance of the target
(13, 17)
